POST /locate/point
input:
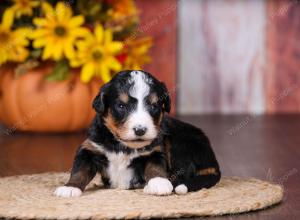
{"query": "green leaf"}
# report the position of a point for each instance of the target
(23, 68)
(60, 71)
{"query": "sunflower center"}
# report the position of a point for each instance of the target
(4, 37)
(60, 31)
(97, 55)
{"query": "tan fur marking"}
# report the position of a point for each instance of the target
(208, 171)
(89, 146)
(111, 125)
(136, 145)
(124, 97)
(160, 119)
(155, 149)
(153, 170)
(153, 98)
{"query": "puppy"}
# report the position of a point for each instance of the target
(133, 143)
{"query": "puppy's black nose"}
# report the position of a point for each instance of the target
(139, 131)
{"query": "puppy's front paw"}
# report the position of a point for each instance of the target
(158, 186)
(67, 191)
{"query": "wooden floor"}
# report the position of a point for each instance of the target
(265, 147)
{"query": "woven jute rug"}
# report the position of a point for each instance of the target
(31, 196)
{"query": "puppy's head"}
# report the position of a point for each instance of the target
(132, 105)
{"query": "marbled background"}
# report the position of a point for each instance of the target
(228, 56)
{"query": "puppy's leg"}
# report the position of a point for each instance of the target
(83, 171)
(202, 181)
(204, 178)
(157, 182)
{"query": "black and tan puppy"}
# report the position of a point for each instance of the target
(133, 143)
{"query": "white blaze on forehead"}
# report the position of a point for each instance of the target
(140, 116)
(140, 87)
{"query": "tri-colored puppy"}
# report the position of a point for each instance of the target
(133, 143)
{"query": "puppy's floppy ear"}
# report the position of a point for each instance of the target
(99, 103)
(166, 100)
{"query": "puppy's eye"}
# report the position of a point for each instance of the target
(154, 107)
(121, 106)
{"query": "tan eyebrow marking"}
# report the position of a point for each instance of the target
(124, 97)
(153, 98)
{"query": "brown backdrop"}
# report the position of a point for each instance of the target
(159, 19)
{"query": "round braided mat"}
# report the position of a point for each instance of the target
(30, 196)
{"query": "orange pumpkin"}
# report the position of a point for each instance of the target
(31, 103)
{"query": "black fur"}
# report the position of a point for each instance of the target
(190, 152)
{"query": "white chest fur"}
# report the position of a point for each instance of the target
(119, 172)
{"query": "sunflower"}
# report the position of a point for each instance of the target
(137, 53)
(96, 55)
(12, 43)
(24, 7)
(58, 31)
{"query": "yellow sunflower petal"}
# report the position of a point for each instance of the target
(57, 51)
(69, 50)
(76, 21)
(113, 63)
(99, 32)
(40, 22)
(80, 32)
(23, 33)
(41, 42)
(115, 47)
(107, 36)
(39, 33)
(47, 8)
(75, 62)
(63, 11)
(68, 11)
(60, 11)
(87, 72)
(81, 45)
(48, 51)
(7, 19)
(104, 73)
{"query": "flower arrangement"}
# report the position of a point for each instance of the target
(96, 36)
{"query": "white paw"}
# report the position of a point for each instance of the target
(158, 186)
(67, 191)
(181, 189)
